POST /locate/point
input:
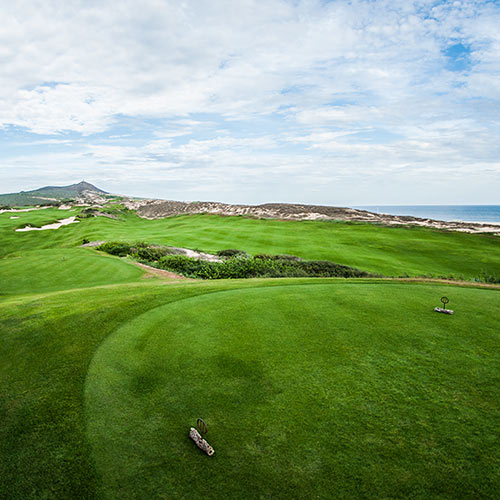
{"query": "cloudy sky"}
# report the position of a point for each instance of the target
(344, 102)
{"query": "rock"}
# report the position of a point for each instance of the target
(441, 310)
(200, 442)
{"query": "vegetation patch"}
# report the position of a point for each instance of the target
(253, 267)
(485, 277)
(231, 252)
(236, 264)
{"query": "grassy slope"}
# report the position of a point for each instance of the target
(410, 398)
(60, 269)
(34, 262)
(390, 251)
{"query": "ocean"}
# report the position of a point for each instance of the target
(465, 213)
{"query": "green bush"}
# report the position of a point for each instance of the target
(326, 268)
(488, 278)
(151, 254)
(237, 267)
(265, 256)
(115, 248)
(139, 250)
(232, 252)
(236, 264)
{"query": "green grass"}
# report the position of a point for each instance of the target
(61, 269)
(386, 250)
(312, 388)
(308, 386)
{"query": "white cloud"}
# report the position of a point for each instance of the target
(327, 72)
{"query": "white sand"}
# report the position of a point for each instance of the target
(55, 225)
(200, 255)
(22, 209)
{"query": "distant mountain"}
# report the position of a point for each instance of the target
(49, 194)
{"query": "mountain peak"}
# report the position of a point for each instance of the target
(50, 193)
(86, 186)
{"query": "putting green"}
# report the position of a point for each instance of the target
(309, 391)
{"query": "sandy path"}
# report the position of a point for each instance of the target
(197, 255)
(153, 271)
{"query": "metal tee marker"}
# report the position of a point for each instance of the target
(444, 301)
(202, 427)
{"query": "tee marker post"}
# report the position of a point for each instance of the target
(444, 301)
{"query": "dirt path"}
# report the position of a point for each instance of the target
(153, 271)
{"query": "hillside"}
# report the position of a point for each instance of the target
(83, 190)
(85, 193)
(157, 209)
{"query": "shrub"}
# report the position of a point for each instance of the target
(115, 248)
(325, 268)
(149, 253)
(286, 257)
(263, 256)
(266, 256)
(237, 267)
(232, 252)
(236, 264)
(488, 278)
(181, 264)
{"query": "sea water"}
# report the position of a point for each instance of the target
(465, 213)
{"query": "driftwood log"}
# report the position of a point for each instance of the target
(441, 310)
(200, 442)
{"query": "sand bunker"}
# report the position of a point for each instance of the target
(196, 255)
(54, 225)
(22, 209)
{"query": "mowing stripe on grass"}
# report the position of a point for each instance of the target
(307, 390)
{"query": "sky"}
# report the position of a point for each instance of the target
(346, 103)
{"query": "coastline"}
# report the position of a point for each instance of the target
(466, 214)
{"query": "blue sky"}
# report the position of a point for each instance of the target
(340, 103)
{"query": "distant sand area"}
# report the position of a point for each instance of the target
(22, 209)
(54, 225)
